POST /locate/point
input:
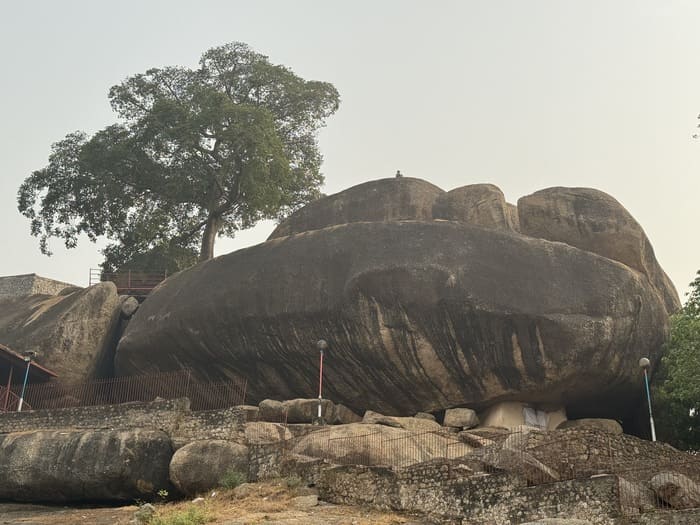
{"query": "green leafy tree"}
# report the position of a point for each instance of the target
(195, 154)
(677, 392)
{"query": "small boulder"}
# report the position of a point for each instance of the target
(425, 415)
(263, 433)
(272, 410)
(306, 410)
(676, 489)
(375, 418)
(607, 425)
(200, 465)
(461, 417)
(128, 307)
(144, 514)
(407, 423)
(345, 416)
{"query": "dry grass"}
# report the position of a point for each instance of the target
(269, 501)
(272, 501)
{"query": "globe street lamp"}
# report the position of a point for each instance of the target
(321, 345)
(644, 364)
(28, 358)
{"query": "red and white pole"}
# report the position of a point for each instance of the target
(321, 345)
(320, 385)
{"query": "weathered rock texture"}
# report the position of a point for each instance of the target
(677, 490)
(594, 221)
(607, 425)
(428, 300)
(201, 465)
(460, 417)
(75, 465)
(362, 443)
(73, 333)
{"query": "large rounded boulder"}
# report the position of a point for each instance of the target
(369, 444)
(202, 465)
(594, 221)
(84, 465)
(420, 313)
(72, 333)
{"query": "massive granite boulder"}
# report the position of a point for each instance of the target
(80, 465)
(73, 333)
(425, 305)
(593, 221)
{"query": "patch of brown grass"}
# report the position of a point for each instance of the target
(271, 501)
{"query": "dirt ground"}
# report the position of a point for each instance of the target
(269, 503)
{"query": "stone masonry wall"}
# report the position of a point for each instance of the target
(493, 499)
(172, 416)
(226, 424)
(577, 453)
(29, 284)
(668, 517)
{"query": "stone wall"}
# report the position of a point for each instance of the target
(172, 416)
(494, 499)
(226, 424)
(30, 284)
(265, 460)
(668, 517)
(579, 453)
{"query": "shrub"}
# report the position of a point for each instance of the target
(232, 479)
(293, 482)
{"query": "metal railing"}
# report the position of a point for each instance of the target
(203, 395)
(131, 282)
(9, 401)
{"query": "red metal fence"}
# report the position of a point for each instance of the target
(131, 282)
(9, 401)
(166, 385)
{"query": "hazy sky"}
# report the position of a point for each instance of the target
(521, 94)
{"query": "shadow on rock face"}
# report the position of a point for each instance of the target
(420, 312)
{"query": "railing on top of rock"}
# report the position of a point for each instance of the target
(203, 395)
(130, 282)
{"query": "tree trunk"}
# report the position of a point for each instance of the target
(210, 231)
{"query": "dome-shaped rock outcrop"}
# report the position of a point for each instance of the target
(72, 333)
(425, 305)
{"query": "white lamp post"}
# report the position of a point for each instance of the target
(28, 358)
(644, 364)
(322, 345)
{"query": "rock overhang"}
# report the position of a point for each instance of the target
(422, 311)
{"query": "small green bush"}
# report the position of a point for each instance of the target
(190, 516)
(293, 482)
(232, 479)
